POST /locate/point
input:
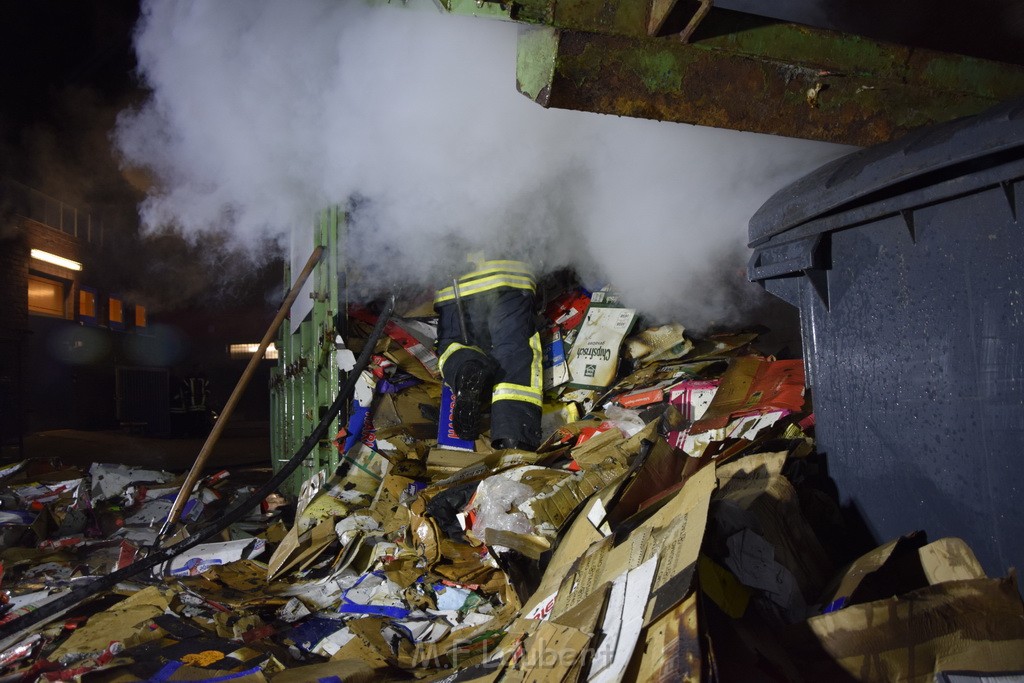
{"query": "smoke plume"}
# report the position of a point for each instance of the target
(263, 113)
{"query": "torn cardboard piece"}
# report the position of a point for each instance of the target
(900, 566)
(973, 625)
(110, 480)
(297, 549)
(664, 342)
(753, 496)
(671, 648)
(674, 534)
(202, 557)
(532, 650)
(693, 397)
(117, 624)
(754, 393)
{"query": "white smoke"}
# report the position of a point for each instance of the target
(262, 113)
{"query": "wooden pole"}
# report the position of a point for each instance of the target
(229, 407)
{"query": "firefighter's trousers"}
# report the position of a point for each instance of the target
(501, 333)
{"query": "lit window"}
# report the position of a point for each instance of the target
(140, 316)
(245, 351)
(45, 296)
(115, 313)
(87, 304)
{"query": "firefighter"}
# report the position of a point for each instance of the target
(488, 348)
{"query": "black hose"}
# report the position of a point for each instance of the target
(107, 582)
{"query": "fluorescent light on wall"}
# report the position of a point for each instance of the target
(243, 351)
(55, 260)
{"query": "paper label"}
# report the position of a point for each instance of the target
(628, 623)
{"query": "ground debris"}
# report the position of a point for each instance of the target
(675, 524)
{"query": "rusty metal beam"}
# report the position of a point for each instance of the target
(739, 71)
(775, 78)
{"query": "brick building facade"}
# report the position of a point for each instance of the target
(14, 328)
(58, 345)
(22, 279)
(74, 356)
(14, 252)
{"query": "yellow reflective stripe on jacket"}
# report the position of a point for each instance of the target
(486, 285)
(452, 348)
(534, 394)
(490, 275)
(491, 267)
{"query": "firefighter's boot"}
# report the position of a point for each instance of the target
(471, 388)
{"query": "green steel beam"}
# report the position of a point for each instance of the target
(739, 71)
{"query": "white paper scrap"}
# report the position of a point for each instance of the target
(629, 623)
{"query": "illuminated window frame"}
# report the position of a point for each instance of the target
(61, 287)
(115, 312)
(141, 320)
(82, 315)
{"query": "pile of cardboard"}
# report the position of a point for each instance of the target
(62, 529)
(676, 524)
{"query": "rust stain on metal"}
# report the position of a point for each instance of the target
(673, 82)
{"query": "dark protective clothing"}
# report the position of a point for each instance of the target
(498, 303)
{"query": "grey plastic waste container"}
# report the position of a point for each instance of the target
(906, 261)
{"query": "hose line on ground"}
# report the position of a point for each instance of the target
(12, 631)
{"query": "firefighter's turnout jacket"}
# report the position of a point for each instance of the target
(497, 300)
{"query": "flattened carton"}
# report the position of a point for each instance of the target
(966, 625)
(673, 535)
(594, 357)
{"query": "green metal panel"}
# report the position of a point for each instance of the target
(741, 71)
(306, 379)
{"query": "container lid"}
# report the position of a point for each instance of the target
(858, 178)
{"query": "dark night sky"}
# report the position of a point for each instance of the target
(69, 66)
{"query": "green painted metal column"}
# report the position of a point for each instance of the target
(307, 377)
